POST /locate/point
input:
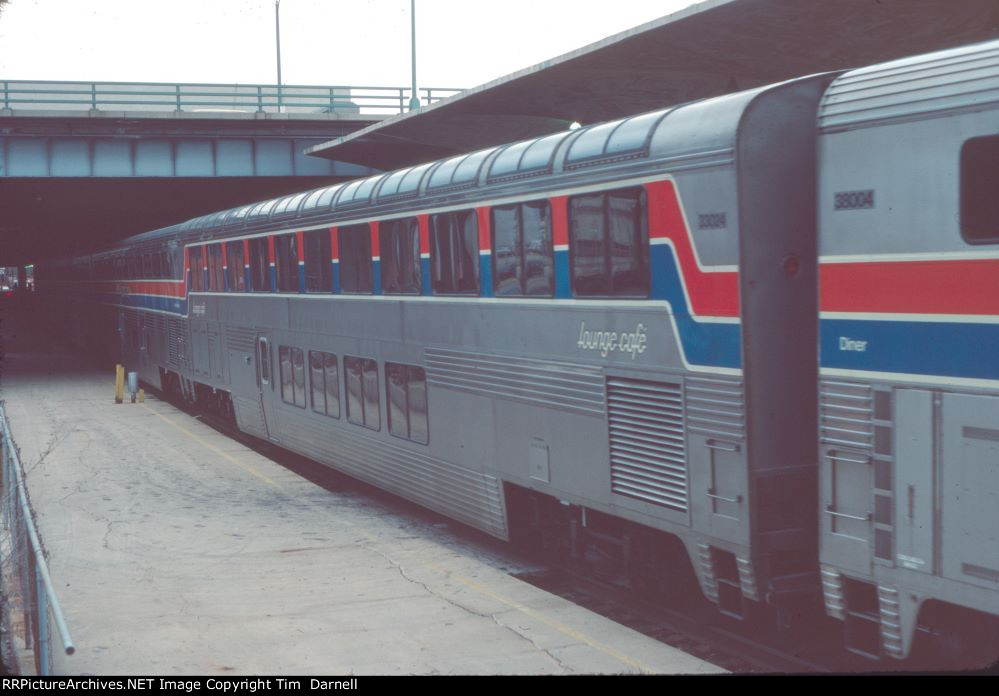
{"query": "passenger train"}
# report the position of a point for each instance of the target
(757, 332)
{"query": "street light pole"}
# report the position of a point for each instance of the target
(414, 102)
(277, 38)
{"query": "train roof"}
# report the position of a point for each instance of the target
(695, 134)
(702, 132)
(956, 79)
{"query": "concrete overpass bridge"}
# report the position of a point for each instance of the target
(84, 162)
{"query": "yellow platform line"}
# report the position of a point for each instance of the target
(213, 448)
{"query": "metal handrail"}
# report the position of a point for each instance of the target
(46, 598)
(184, 96)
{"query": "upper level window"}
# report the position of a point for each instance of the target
(171, 262)
(260, 277)
(522, 250)
(197, 269)
(980, 190)
(361, 379)
(286, 262)
(355, 259)
(216, 278)
(406, 397)
(454, 253)
(235, 264)
(399, 245)
(292, 364)
(318, 276)
(609, 244)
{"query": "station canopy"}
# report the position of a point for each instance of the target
(711, 48)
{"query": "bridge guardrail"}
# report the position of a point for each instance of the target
(209, 97)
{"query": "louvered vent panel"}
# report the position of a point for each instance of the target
(647, 451)
(845, 414)
(175, 342)
(715, 408)
(240, 339)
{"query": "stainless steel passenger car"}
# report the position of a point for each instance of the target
(909, 392)
(607, 338)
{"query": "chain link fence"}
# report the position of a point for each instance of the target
(30, 605)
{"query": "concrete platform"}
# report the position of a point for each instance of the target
(176, 550)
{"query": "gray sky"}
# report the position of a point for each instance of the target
(348, 42)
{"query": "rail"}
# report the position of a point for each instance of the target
(208, 98)
(38, 597)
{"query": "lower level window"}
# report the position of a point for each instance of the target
(325, 383)
(406, 396)
(361, 380)
(292, 375)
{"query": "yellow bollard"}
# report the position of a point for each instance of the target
(119, 384)
(142, 396)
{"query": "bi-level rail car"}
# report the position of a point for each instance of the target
(608, 337)
(909, 393)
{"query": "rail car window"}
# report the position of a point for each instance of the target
(325, 383)
(284, 368)
(197, 269)
(216, 276)
(318, 276)
(608, 244)
(292, 364)
(361, 380)
(260, 278)
(170, 263)
(454, 253)
(406, 398)
(399, 245)
(264, 350)
(298, 366)
(236, 265)
(522, 250)
(980, 190)
(355, 259)
(286, 262)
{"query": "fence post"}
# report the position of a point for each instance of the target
(5, 503)
(4, 507)
(260, 99)
(27, 586)
(93, 96)
(8, 491)
(6, 95)
(178, 98)
(41, 628)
